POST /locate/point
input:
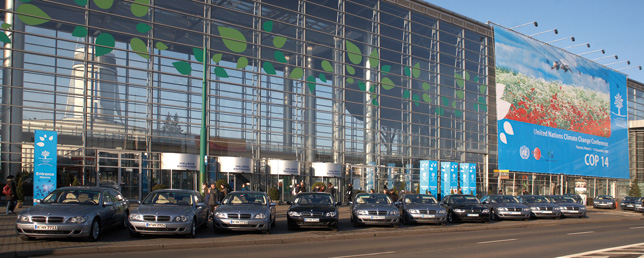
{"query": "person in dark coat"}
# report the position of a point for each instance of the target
(331, 190)
(12, 198)
(212, 199)
(223, 192)
(349, 193)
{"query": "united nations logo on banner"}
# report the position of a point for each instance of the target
(525, 152)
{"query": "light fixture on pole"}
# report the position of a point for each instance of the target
(627, 63)
(616, 57)
(534, 22)
(640, 67)
(586, 44)
(555, 30)
(571, 38)
(603, 52)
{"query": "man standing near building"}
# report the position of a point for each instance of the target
(213, 198)
(223, 192)
(330, 189)
(349, 193)
(11, 195)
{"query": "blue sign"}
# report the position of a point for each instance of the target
(448, 178)
(558, 113)
(424, 177)
(390, 175)
(453, 181)
(408, 178)
(370, 177)
(45, 163)
(144, 177)
(433, 177)
(472, 179)
(465, 178)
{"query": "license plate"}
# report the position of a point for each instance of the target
(515, 213)
(472, 215)
(573, 211)
(428, 216)
(238, 222)
(546, 212)
(629, 205)
(155, 225)
(39, 227)
(311, 220)
(377, 217)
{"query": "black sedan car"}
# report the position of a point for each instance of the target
(420, 208)
(628, 203)
(506, 207)
(465, 208)
(313, 210)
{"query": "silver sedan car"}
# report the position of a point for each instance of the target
(374, 209)
(82, 212)
(245, 211)
(169, 212)
(506, 207)
(568, 206)
(421, 208)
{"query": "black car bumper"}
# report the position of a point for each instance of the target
(464, 216)
(323, 222)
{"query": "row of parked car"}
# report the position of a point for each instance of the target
(84, 212)
(632, 203)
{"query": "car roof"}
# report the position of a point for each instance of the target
(315, 193)
(175, 190)
(95, 188)
(253, 192)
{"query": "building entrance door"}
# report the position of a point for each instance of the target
(120, 170)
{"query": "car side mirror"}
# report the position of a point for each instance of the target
(108, 203)
(201, 204)
(338, 203)
(484, 202)
(131, 202)
(289, 203)
(398, 203)
(38, 201)
(350, 203)
(273, 204)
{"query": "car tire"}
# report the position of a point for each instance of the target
(26, 238)
(134, 234)
(193, 229)
(268, 230)
(217, 230)
(273, 223)
(403, 219)
(450, 217)
(95, 231)
(493, 216)
(125, 222)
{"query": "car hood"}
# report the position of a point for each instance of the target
(569, 204)
(423, 206)
(374, 206)
(508, 205)
(467, 206)
(603, 201)
(251, 208)
(542, 204)
(323, 208)
(164, 210)
(61, 210)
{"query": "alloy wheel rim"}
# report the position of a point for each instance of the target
(95, 230)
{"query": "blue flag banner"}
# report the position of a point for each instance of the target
(453, 182)
(390, 175)
(465, 178)
(445, 178)
(473, 178)
(45, 163)
(370, 177)
(424, 177)
(433, 177)
(408, 178)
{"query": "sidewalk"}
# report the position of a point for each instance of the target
(118, 240)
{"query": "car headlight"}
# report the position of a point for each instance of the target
(486, 211)
(77, 219)
(331, 214)
(260, 216)
(393, 212)
(294, 214)
(442, 211)
(413, 211)
(534, 208)
(459, 210)
(362, 212)
(221, 215)
(24, 218)
(135, 216)
(181, 218)
(502, 209)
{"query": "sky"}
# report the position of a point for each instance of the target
(615, 26)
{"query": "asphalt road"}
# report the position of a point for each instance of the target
(546, 241)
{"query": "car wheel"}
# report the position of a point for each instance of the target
(403, 219)
(273, 223)
(450, 217)
(395, 225)
(134, 234)
(125, 221)
(355, 223)
(268, 230)
(193, 229)
(493, 216)
(95, 231)
(26, 238)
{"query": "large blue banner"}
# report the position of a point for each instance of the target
(424, 177)
(370, 177)
(472, 178)
(453, 182)
(449, 178)
(433, 177)
(45, 163)
(465, 178)
(558, 112)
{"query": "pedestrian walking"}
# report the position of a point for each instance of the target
(11, 195)
(349, 193)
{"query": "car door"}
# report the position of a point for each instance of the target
(120, 204)
(201, 210)
(108, 216)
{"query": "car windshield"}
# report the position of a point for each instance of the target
(169, 198)
(536, 199)
(503, 199)
(245, 198)
(424, 199)
(562, 199)
(463, 199)
(604, 197)
(373, 199)
(313, 199)
(628, 198)
(86, 197)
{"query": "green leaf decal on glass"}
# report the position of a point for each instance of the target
(198, 53)
(139, 47)
(143, 28)
(483, 108)
(440, 111)
(374, 102)
(476, 107)
(476, 79)
(25, 1)
(221, 72)
(460, 94)
(311, 84)
(362, 86)
(217, 57)
(407, 71)
(427, 98)
(182, 67)
(458, 113)
(482, 100)
(416, 99)
(140, 7)
(296, 73)
(354, 53)
(4, 38)
(161, 46)
(386, 68)
(327, 67)
(459, 80)
(104, 4)
(373, 58)
(386, 83)
(350, 80)
(29, 9)
(104, 44)
(268, 26)
(406, 94)
(467, 75)
(79, 32)
(454, 104)
(279, 56)
(322, 77)
(350, 70)
(242, 62)
(416, 70)
(426, 86)
(372, 89)
(81, 2)
(268, 68)
(279, 42)
(445, 101)
(482, 88)
(233, 39)
(6, 25)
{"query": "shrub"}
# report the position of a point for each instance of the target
(274, 193)
(159, 187)
(75, 182)
(635, 189)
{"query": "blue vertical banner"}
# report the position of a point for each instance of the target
(408, 177)
(445, 178)
(465, 178)
(473, 178)
(433, 177)
(145, 186)
(45, 163)
(453, 182)
(370, 177)
(391, 173)
(424, 177)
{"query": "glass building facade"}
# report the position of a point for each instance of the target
(636, 130)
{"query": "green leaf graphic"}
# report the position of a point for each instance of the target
(311, 84)
(350, 80)
(79, 32)
(268, 26)
(374, 102)
(217, 57)
(161, 46)
(416, 70)
(279, 56)
(268, 68)
(362, 86)
(416, 99)
(373, 58)
(233, 39)
(426, 86)
(482, 89)
(322, 77)
(467, 75)
(445, 101)
(4, 38)
(459, 80)
(29, 9)
(6, 25)
(458, 113)
(139, 47)
(279, 42)
(81, 2)
(182, 67)
(406, 94)
(460, 94)
(242, 62)
(104, 4)
(143, 28)
(407, 71)
(140, 7)
(350, 70)
(427, 98)
(327, 67)
(198, 53)
(354, 53)
(386, 83)
(372, 89)
(104, 44)
(221, 72)
(386, 68)
(454, 104)
(439, 111)
(296, 73)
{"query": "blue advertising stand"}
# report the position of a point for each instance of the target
(433, 177)
(453, 182)
(45, 163)
(445, 178)
(473, 178)
(424, 177)
(465, 177)
(408, 173)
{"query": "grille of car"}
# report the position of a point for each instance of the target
(312, 214)
(377, 212)
(38, 219)
(545, 208)
(573, 208)
(55, 220)
(156, 218)
(427, 211)
(238, 216)
(43, 219)
(514, 209)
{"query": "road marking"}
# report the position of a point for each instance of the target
(579, 233)
(599, 251)
(498, 241)
(360, 255)
(636, 227)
